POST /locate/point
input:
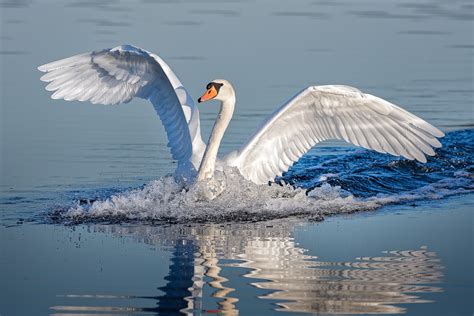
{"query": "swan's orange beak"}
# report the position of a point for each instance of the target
(210, 94)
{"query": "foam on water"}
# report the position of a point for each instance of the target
(357, 180)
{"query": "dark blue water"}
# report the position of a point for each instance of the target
(366, 173)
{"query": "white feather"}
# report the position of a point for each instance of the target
(113, 76)
(334, 112)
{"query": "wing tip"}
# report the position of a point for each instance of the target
(54, 96)
(42, 68)
(421, 158)
(433, 130)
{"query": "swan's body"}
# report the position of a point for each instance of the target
(317, 113)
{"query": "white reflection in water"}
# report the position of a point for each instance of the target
(297, 281)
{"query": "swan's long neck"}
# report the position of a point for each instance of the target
(208, 163)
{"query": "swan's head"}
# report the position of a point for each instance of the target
(218, 89)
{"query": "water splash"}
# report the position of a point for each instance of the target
(357, 180)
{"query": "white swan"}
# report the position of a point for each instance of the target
(317, 113)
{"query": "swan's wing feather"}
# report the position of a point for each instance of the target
(333, 112)
(117, 75)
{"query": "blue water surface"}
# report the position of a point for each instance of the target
(367, 173)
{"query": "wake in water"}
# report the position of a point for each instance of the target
(357, 180)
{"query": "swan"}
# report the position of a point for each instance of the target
(317, 113)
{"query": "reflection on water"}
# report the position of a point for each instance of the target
(367, 285)
(276, 267)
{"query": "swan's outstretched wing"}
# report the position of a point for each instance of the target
(117, 75)
(332, 112)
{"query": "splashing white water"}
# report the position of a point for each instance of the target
(164, 199)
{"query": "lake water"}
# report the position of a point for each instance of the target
(92, 225)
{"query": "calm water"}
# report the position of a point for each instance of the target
(255, 251)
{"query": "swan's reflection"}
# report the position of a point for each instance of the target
(275, 265)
